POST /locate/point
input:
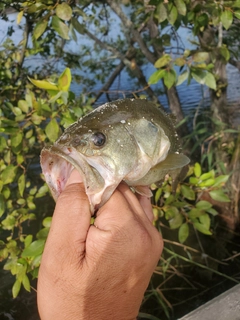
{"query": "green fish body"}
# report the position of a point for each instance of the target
(128, 139)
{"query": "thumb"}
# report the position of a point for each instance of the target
(71, 220)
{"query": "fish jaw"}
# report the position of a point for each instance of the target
(57, 164)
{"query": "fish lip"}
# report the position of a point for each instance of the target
(47, 158)
(58, 151)
(57, 163)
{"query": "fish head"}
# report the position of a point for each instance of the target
(101, 151)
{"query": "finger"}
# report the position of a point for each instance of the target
(71, 221)
(139, 208)
(114, 212)
(145, 202)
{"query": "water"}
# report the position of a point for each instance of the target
(191, 96)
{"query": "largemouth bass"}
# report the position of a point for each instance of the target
(130, 140)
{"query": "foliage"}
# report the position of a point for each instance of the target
(194, 64)
(26, 125)
(185, 207)
(31, 117)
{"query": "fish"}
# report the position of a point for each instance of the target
(129, 140)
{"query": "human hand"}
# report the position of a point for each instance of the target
(100, 271)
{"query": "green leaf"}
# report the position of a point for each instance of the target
(236, 4)
(187, 192)
(225, 53)
(16, 139)
(60, 27)
(156, 76)
(200, 56)
(8, 175)
(237, 14)
(198, 75)
(26, 283)
(2, 205)
(21, 184)
(227, 19)
(197, 170)
(158, 194)
(212, 211)
(28, 240)
(80, 28)
(169, 78)
(204, 77)
(210, 81)
(219, 195)
(221, 180)
(23, 105)
(64, 80)
(183, 232)
(47, 222)
(162, 12)
(6, 192)
(17, 111)
(182, 77)
(3, 143)
(52, 130)
(194, 181)
(180, 62)
(9, 222)
(195, 213)
(43, 233)
(163, 61)
(39, 29)
(202, 19)
(172, 14)
(205, 221)
(19, 16)
(176, 222)
(181, 7)
(171, 212)
(44, 84)
(64, 11)
(34, 249)
(203, 205)
(207, 183)
(200, 227)
(16, 288)
(207, 175)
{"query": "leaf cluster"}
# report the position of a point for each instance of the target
(185, 208)
(25, 126)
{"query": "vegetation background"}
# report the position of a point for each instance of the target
(200, 221)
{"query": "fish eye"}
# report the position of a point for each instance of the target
(98, 139)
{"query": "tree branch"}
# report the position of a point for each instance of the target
(234, 63)
(110, 81)
(126, 60)
(105, 46)
(137, 36)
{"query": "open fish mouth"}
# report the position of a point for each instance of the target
(57, 164)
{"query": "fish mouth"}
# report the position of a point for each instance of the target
(57, 163)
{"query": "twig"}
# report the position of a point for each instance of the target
(201, 265)
(193, 250)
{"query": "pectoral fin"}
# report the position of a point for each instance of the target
(172, 165)
(143, 191)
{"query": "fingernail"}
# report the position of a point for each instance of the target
(74, 177)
